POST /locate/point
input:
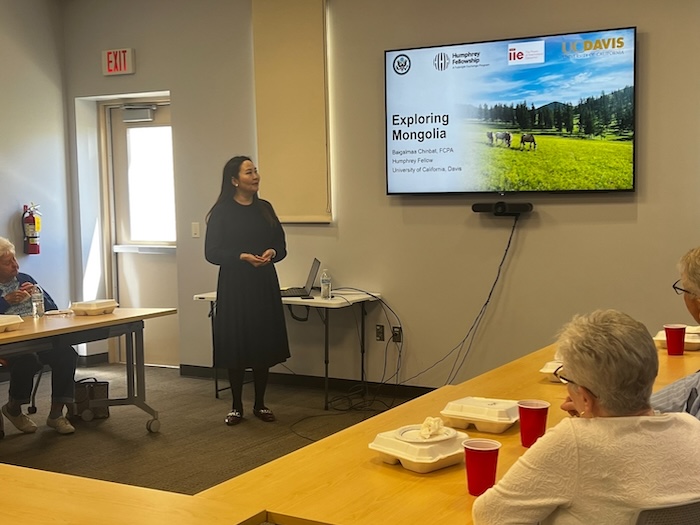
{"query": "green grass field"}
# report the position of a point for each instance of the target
(558, 163)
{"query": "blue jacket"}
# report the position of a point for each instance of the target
(49, 303)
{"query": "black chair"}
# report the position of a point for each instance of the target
(683, 514)
(37, 380)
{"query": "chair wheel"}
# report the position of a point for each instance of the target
(31, 410)
(87, 415)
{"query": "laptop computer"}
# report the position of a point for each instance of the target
(306, 290)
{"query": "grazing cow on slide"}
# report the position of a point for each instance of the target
(503, 136)
(489, 136)
(528, 138)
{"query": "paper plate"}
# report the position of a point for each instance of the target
(411, 434)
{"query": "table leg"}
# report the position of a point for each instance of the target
(140, 399)
(212, 313)
(326, 322)
(140, 367)
(362, 343)
(362, 347)
(129, 340)
(135, 377)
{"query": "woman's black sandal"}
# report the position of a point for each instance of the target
(234, 417)
(265, 414)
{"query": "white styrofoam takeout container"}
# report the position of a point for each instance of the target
(419, 457)
(10, 322)
(96, 307)
(692, 338)
(486, 414)
(549, 368)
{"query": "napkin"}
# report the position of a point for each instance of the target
(431, 427)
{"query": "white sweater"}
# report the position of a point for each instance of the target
(598, 471)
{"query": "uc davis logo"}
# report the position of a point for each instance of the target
(441, 61)
(402, 64)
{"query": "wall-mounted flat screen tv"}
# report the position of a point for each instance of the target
(553, 113)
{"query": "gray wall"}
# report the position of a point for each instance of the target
(33, 138)
(432, 259)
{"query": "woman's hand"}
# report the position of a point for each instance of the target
(254, 260)
(568, 406)
(269, 254)
(18, 296)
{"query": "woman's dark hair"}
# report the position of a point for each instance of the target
(228, 190)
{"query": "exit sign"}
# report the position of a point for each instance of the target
(118, 62)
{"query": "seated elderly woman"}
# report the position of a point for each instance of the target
(682, 395)
(15, 298)
(616, 455)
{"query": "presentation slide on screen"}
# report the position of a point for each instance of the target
(551, 113)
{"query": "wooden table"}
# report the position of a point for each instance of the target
(339, 480)
(47, 332)
(35, 497)
(336, 481)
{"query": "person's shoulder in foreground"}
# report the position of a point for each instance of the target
(615, 455)
(598, 470)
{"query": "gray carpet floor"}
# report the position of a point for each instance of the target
(194, 449)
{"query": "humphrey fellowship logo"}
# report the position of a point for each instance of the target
(402, 64)
(526, 53)
(441, 61)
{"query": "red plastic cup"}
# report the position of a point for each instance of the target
(533, 420)
(481, 459)
(675, 338)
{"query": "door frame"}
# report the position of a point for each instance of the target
(107, 204)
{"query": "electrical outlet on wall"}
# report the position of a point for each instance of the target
(379, 335)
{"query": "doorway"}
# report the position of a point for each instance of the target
(141, 196)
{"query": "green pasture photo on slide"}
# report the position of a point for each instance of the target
(559, 162)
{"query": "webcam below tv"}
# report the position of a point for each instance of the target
(501, 208)
(542, 114)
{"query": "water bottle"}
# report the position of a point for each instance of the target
(325, 285)
(37, 301)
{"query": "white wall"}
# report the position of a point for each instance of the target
(33, 138)
(431, 258)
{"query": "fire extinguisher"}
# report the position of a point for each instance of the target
(31, 226)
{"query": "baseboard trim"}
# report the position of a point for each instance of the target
(406, 391)
(86, 361)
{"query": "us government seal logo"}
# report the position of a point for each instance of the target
(402, 64)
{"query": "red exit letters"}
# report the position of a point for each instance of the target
(117, 62)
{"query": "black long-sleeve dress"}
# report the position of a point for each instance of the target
(249, 327)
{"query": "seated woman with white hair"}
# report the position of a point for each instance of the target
(15, 299)
(615, 455)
